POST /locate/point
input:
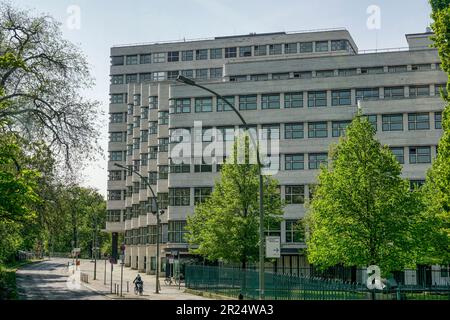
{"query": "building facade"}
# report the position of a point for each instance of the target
(300, 89)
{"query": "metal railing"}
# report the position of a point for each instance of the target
(312, 284)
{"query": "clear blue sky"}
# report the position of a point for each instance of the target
(105, 23)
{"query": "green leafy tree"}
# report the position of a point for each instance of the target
(436, 191)
(225, 226)
(363, 213)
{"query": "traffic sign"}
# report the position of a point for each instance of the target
(273, 247)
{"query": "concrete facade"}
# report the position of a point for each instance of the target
(401, 97)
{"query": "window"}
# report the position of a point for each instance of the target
(445, 270)
(247, 102)
(293, 100)
(338, 45)
(290, 48)
(163, 144)
(115, 175)
(367, 94)
(373, 118)
(117, 98)
(260, 50)
(226, 133)
(270, 101)
(145, 58)
(145, 77)
(280, 76)
(132, 60)
(176, 231)
(203, 167)
(173, 56)
(275, 49)
(324, 73)
(144, 112)
(153, 127)
(114, 195)
(303, 75)
(394, 92)
(163, 117)
(215, 53)
(294, 232)
(215, 73)
(222, 106)
(273, 228)
(317, 99)
(294, 194)
(179, 135)
(136, 142)
(153, 102)
(238, 78)
(421, 67)
(315, 160)
(230, 52)
(136, 121)
(182, 105)
(152, 178)
(372, 70)
(419, 91)
(322, 46)
(163, 199)
(187, 73)
(294, 130)
(438, 120)
(259, 77)
(419, 155)
(306, 47)
(144, 135)
(129, 149)
(294, 162)
(159, 57)
(438, 88)
(179, 167)
(203, 104)
(392, 122)
(201, 74)
(394, 69)
(201, 194)
(187, 55)
(136, 186)
(346, 72)
(113, 216)
(163, 172)
(341, 98)
(201, 54)
(172, 75)
(179, 196)
(144, 159)
(117, 61)
(317, 130)
(399, 153)
(136, 99)
(418, 121)
(117, 117)
(158, 76)
(153, 152)
(270, 131)
(245, 51)
(338, 128)
(116, 137)
(117, 79)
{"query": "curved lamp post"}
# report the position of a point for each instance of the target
(155, 211)
(191, 82)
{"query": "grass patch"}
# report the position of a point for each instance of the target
(8, 286)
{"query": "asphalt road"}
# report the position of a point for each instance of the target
(48, 280)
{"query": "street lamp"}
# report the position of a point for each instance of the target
(191, 82)
(158, 213)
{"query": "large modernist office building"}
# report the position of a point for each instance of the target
(299, 87)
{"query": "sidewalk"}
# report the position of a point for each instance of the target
(166, 292)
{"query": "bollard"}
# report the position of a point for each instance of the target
(128, 286)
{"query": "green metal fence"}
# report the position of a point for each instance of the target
(233, 282)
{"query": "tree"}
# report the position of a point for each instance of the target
(437, 186)
(225, 226)
(363, 212)
(41, 77)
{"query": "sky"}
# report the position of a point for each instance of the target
(96, 25)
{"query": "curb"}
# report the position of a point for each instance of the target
(208, 295)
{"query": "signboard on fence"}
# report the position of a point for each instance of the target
(273, 247)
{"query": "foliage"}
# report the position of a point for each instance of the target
(225, 227)
(363, 212)
(437, 187)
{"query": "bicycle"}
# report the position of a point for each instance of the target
(168, 281)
